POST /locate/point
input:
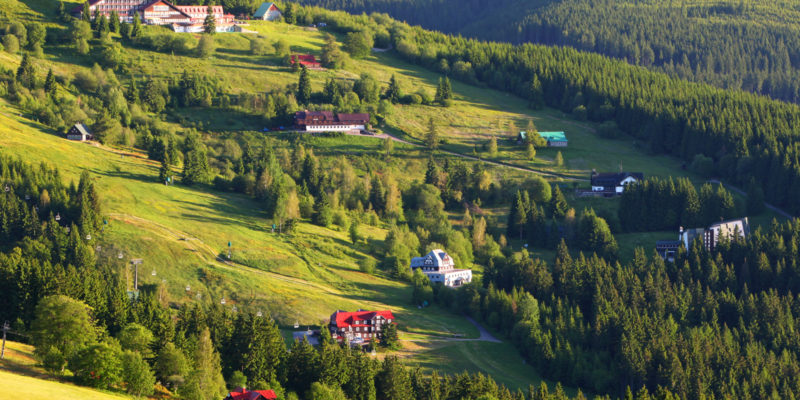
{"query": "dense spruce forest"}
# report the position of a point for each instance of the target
(730, 44)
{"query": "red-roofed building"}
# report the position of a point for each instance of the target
(366, 325)
(244, 394)
(161, 12)
(306, 60)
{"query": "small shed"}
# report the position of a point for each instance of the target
(267, 12)
(79, 132)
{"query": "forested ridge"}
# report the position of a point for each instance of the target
(731, 44)
(748, 137)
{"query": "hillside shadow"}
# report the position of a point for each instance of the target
(234, 213)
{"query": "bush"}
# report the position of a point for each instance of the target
(580, 112)
(11, 43)
(413, 99)
(367, 265)
(702, 165)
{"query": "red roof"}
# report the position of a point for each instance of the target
(244, 394)
(343, 319)
(304, 59)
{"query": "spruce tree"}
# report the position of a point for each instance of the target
(558, 203)
(447, 89)
(432, 136)
(85, 15)
(136, 29)
(50, 83)
(530, 151)
(113, 22)
(393, 91)
(205, 382)
(304, 87)
(210, 23)
(26, 75)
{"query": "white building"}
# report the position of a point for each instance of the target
(439, 267)
(734, 229)
(327, 121)
(614, 183)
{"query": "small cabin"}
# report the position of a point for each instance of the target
(267, 12)
(79, 132)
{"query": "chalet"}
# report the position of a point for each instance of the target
(306, 60)
(79, 132)
(554, 139)
(438, 266)
(244, 394)
(188, 18)
(614, 183)
(327, 121)
(731, 230)
(359, 326)
(267, 12)
(735, 229)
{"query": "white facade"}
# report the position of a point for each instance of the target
(438, 266)
(334, 128)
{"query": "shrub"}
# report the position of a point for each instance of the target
(367, 265)
(11, 43)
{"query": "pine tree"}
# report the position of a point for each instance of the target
(558, 203)
(96, 18)
(304, 87)
(288, 13)
(50, 83)
(432, 136)
(447, 89)
(210, 23)
(102, 27)
(432, 173)
(530, 151)
(163, 172)
(26, 75)
(559, 160)
(491, 147)
(205, 382)
(136, 29)
(393, 91)
(302, 366)
(85, 15)
(393, 382)
(536, 96)
(113, 22)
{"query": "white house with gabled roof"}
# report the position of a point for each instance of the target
(438, 266)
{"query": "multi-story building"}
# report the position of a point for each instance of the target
(359, 325)
(327, 121)
(161, 12)
(438, 266)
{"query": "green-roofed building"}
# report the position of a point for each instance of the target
(267, 12)
(554, 139)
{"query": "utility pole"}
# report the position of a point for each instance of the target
(3, 349)
(136, 262)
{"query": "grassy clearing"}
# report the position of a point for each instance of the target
(19, 374)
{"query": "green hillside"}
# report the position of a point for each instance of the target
(733, 44)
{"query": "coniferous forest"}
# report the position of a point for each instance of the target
(730, 44)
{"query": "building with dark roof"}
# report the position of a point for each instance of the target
(360, 325)
(79, 132)
(614, 183)
(327, 121)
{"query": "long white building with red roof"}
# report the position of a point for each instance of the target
(359, 325)
(161, 12)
